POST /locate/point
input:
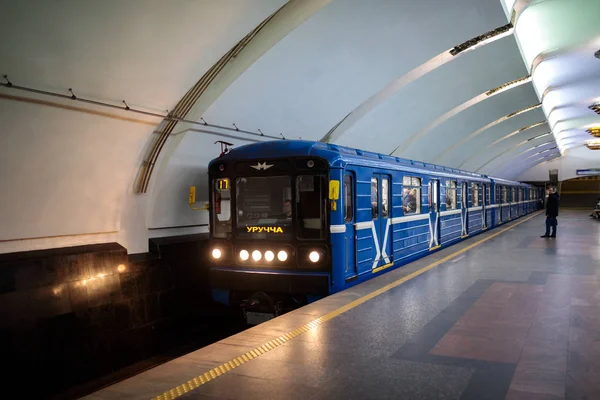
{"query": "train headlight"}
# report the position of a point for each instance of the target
(282, 256)
(314, 256)
(244, 255)
(217, 253)
(256, 255)
(269, 255)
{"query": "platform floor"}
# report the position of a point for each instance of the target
(505, 314)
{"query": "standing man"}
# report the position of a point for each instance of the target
(551, 213)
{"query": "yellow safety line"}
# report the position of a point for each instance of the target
(260, 350)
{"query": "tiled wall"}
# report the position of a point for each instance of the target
(73, 314)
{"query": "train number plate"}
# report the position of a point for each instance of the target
(255, 318)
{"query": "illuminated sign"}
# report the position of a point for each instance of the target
(264, 229)
(223, 184)
(590, 171)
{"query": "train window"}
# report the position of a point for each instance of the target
(348, 199)
(504, 194)
(221, 208)
(487, 194)
(411, 195)
(264, 201)
(311, 192)
(513, 195)
(450, 195)
(475, 194)
(374, 198)
(385, 189)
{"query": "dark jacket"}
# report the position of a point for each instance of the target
(552, 205)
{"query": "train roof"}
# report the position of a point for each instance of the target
(338, 155)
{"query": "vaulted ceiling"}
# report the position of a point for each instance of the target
(111, 109)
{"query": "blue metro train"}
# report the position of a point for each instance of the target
(292, 221)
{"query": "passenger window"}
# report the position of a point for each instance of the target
(384, 197)
(450, 195)
(513, 195)
(475, 194)
(374, 198)
(411, 195)
(487, 195)
(504, 194)
(348, 199)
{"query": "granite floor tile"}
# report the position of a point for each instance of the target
(231, 386)
(518, 395)
(584, 357)
(543, 358)
(582, 385)
(541, 382)
(498, 350)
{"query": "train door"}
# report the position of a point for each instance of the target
(349, 191)
(485, 203)
(464, 211)
(382, 221)
(434, 214)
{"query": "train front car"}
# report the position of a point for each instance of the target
(269, 247)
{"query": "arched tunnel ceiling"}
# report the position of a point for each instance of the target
(315, 63)
(341, 56)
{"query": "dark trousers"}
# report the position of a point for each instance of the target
(551, 222)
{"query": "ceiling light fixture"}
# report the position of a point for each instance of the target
(595, 108)
(509, 85)
(592, 144)
(594, 131)
(539, 136)
(480, 40)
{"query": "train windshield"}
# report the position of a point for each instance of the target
(264, 206)
(268, 207)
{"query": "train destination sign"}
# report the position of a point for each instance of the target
(264, 229)
(589, 171)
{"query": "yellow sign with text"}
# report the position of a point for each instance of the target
(264, 229)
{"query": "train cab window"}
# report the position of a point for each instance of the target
(374, 198)
(311, 192)
(475, 194)
(222, 208)
(411, 195)
(264, 201)
(385, 189)
(450, 195)
(348, 199)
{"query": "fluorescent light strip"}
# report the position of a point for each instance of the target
(502, 153)
(509, 85)
(438, 158)
(542, 152)
(394, 86)
(405, 146)
(517, 132)
(534, 147)
(539, 136)
(482, 40)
